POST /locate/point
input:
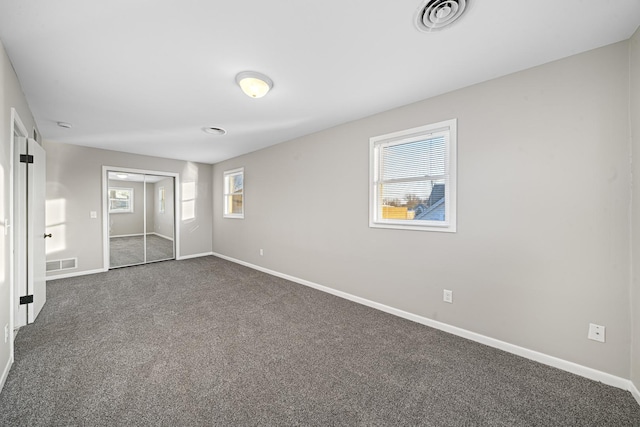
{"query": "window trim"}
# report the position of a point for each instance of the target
(406, 136)
(162, 200)
(225, 177)
(131, 200)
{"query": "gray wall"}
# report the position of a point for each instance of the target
(74, 179)
(634, 53)
(542, 247)
(10, 96)
(163, 222)
(126, 223)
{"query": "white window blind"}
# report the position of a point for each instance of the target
(413, 178)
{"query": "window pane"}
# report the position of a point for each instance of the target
(414, 159)
(416, 200)
(119, 205)
(234, 204)
(161, 197)
(236, 182)
(122, 194)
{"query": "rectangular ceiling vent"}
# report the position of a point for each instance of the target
(62, 264)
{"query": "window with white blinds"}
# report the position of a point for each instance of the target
(234, 193)
(413, 178)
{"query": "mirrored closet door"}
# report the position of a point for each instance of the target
(141, 218)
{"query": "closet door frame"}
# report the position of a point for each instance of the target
(105, 207)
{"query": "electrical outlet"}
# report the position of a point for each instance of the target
(93, 214)
(261, 252)
(447, 296)
(596, 332)
(6, 333)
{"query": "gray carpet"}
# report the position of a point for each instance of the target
(208, 342)
(124, 251)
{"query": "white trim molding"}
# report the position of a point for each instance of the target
(195, 256)
(151, 233)
(160, 235)
(7, 368)
(634, 391)
(546, 359)
(101, 270)
(113, 236)
(75, 274)
(5, 371)
(17, 128)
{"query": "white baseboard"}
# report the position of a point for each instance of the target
(102, 270)
(555, 362)
(162, 235)
(634, 392)
(180, 258)
(5, 372)
(75, 273)
(142, 234)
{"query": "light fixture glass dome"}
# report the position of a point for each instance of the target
(254, 84)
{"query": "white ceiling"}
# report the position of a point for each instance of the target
(146, 76)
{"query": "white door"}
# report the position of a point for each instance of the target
(20, 232)
(36, 255)
(30, 230)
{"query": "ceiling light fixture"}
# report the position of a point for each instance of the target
(214, 130)
(254, 84)
(64, 125)
(122, 175)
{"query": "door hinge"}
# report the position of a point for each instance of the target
(27, 299)
(26, 158)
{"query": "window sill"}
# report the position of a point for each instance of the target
(233, 216)
(441, 229)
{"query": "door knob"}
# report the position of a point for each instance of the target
(47, 235)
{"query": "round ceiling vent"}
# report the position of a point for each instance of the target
(214, 130)
(435, 15)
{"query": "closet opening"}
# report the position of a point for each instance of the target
(139, 212)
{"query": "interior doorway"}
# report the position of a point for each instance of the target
(140, 216)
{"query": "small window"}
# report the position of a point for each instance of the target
(161, 198)
(234, 193)
(120, 200)
(413, 178)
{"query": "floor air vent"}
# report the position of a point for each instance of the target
(62, 264)
(435, 15)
